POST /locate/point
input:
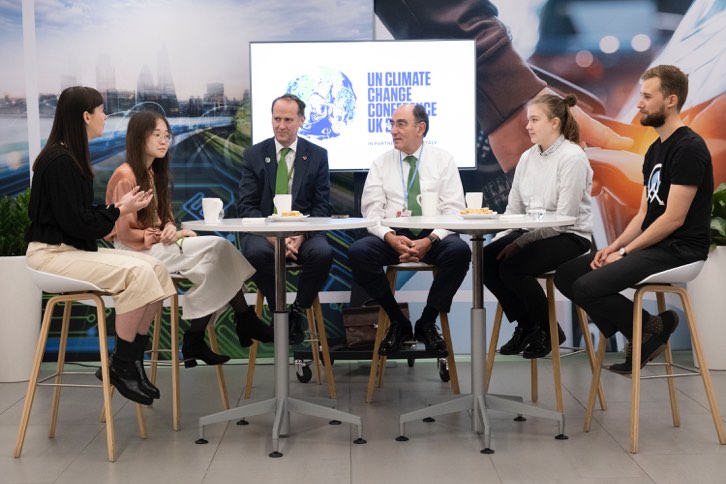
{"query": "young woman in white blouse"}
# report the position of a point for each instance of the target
(554, 176)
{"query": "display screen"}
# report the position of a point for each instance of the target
(352, 88)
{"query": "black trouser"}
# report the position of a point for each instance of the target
(513, 280)
(598, 291)
(451, 256)
(315, 256)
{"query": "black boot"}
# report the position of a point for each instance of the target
(249, 327)
(124, 375)
(149, 388)
(194, 348)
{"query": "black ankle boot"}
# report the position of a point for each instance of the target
(126, 380)
(194, 348)
(140, 345)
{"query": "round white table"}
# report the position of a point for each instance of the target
(281, 404)
(479, 400)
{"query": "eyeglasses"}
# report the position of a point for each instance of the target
(162, 137)
(400, 124)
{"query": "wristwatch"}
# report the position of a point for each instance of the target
(432, 238)
(622, 252)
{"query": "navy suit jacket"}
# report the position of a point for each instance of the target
(310, 183)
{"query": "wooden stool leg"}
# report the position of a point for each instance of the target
(214, 346)
(453, 375)
(493, 344)
(252, 356)
(676, 415)
(596, 371)
(392, 278)
(175, 387)
(325, 349)
(701, 360)
(585, 330)
(533, 379)
(34, 373)
(635, 372)
(555, 342)
(675, 412)
(155, 339)
(376, 360)
(314, 342)
(65, 327)
(103, 347)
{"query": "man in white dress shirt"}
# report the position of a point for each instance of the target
(394, 180)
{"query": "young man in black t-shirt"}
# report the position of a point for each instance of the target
(670, 229)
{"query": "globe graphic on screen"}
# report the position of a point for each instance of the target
(330, 101)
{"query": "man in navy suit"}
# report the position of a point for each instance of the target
(287, 164)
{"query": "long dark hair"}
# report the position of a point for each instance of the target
(557, 107)
(69, 129)
(141, 125)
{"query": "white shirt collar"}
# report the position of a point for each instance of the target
(278, 146)
(558, 142)
(416, 154)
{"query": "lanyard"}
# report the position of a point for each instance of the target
(405, 188)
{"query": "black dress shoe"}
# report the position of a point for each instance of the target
(519, 341)
(194, 348)
(249, 327)
(541, 345)
(296, 328)
(434, 343)
(396, 335)
(126, 380)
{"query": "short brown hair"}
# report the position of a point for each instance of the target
(672, 81)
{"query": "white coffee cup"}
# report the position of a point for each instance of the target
(213, 210)
(474, 199)
(283, 203)
(429, 202)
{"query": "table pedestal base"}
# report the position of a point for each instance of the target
(478, 402)
(281, 404)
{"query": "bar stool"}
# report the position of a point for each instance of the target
(66, 290)
(660, 283)
(180, 281)
(554, 341)
(378, 362)
(316, 329)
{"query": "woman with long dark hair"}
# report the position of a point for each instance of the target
(65, 226)
(553, 176)
(214, 266)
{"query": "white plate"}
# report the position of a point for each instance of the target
(478, 216)
(280, 218)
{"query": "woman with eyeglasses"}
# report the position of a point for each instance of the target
(65, 227)
(215, 267)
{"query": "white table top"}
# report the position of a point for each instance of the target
(270, 228)
(478, 226)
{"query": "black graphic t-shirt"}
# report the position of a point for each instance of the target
(682, 159)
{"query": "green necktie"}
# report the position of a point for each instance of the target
(282, 181)
(414, 190)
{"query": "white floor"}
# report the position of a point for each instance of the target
(315, 452)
